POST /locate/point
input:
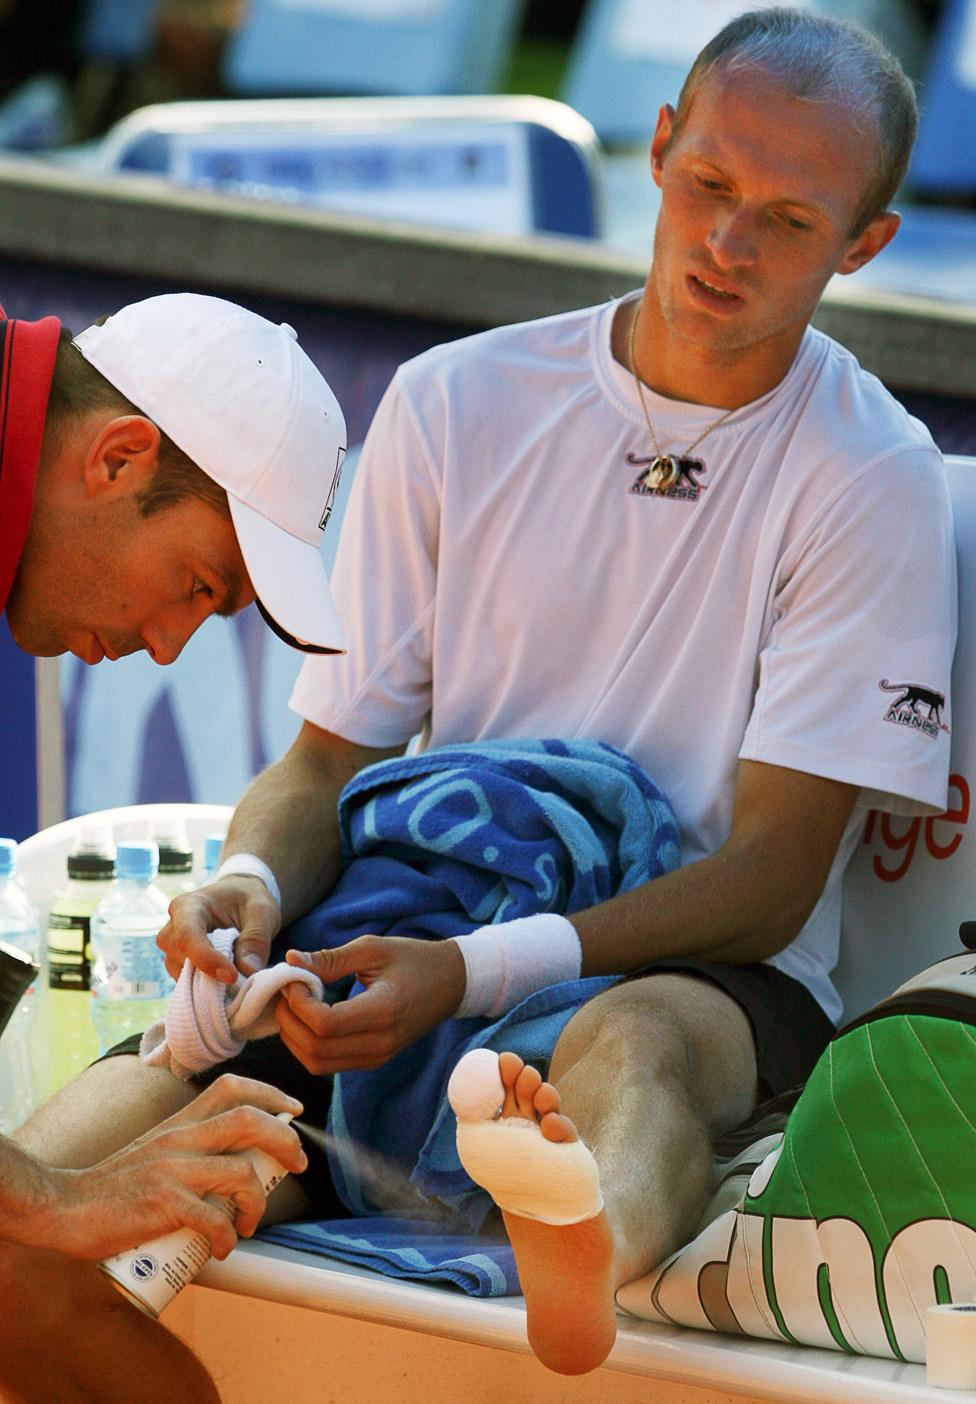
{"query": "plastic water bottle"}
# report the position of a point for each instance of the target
(212, 845)
(175, 858)
(130, 985)
(71, 1039)
(18, 928)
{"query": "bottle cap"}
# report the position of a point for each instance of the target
(212, 845)
(138, 860)
(175, 853)
(94, 838)
(8, 857)
(93, 854)
(175, 860)
(91, 866)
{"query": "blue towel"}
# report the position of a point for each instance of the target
(414, 1248)
(440, 843)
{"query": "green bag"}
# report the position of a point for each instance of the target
(861, 1214)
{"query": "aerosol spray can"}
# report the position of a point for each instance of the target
(153, 1273)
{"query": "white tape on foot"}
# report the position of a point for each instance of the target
(476, 1091)
(554, 1182)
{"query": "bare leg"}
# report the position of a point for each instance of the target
(107, 1350)
(106, 1107)
(648, 1073)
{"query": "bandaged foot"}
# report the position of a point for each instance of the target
(208, 1022)
(514, 1141)
(533, 1166)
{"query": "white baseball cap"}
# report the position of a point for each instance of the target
(241, 398)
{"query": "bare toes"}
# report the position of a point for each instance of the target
(556, 1127)
(528, 1084)
(547, 1099)
(510, 1066)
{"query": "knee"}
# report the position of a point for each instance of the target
(625, 1036)
(682, 1036)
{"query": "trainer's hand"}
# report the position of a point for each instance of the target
(164, 1180)
(237, 901)
(411, 987)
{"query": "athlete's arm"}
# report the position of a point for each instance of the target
(746, 901)
(742, 904)
(288, 818)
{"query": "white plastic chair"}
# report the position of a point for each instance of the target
(502, 164)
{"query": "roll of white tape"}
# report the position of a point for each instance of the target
(950, 1349)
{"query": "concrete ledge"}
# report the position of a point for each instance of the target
(142, 225)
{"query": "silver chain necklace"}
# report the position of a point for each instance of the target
(663, 469)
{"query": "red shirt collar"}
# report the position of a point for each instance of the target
(27, 355)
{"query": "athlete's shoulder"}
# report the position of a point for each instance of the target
(520, 347)
(863, 417)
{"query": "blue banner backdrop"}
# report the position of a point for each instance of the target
(18, 740)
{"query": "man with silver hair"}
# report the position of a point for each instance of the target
(675, 523)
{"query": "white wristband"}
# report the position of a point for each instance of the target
(508, 962)
(249, 865)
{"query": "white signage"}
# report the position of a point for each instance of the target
(461, 176)
(669, 32)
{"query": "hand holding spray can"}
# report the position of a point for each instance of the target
(153, 1273)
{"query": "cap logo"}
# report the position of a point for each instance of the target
(330, 500)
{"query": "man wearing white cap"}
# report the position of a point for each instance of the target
(170, 463)
(176, 461)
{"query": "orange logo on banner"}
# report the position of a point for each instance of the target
(937, 843)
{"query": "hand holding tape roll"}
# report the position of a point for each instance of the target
(950, 1351)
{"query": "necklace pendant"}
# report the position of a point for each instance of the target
(662, 472)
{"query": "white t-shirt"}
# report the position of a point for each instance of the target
(499, 576)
